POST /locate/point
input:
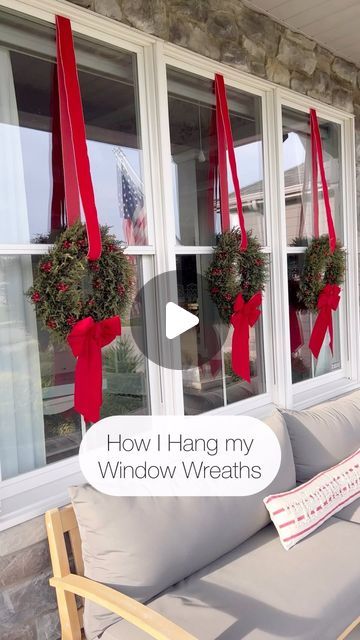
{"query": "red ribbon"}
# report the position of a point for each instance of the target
(86, 340)
(76, 166)
(328, 302)
(245, 315)
(58, 221)
(317, 161)
(218, 162)
(296, 336)
(329, 297)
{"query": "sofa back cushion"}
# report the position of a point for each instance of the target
(142, 545)
(324, 435)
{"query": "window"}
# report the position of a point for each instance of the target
(148, 108)
(299, 230)
(191, 103)
(38, 424)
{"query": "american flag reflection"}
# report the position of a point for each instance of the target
(131, 201)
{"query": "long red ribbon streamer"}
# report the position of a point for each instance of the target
(213, 172)
(245, 316)
(86, 340)
(317, 161)
(330, 295)
(328, 302)
(58, 221)
(77, 177)
(225, 143)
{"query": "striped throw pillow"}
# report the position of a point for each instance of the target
(298, 512)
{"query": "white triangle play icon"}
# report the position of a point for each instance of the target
(178, 320)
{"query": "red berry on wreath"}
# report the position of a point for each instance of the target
(215, 290)
(96, 283)
(120, 289)
(228, 297)
(71, 321)
(67, 244)
(81, 243)
(46, 266)
(94, 266)
(36, 297)
(111, 248)
(61, 286)
(52, 324)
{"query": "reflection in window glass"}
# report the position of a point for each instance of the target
(211, 384)
(38, 423)
(109, 94)
(297, 176)
(300, 228)
(301, 322)
(125, 379)
(191, 105)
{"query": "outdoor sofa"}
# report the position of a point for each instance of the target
(214, 568)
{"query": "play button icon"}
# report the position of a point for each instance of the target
(178, 320)
(174, 322)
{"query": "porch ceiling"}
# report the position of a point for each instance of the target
(333, 23)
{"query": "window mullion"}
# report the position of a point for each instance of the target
(349, 317)
(164, 219)
(280, 325)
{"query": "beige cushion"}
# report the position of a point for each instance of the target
(141, 546)
(261, 592)
(351, 513)
(324, 435)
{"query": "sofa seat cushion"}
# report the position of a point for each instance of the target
(351, 513)
(261, 592)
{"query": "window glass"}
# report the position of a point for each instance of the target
(297, 176)
(300, 228)
(38, 423)
(191, 106)
(211, 384)
(301, 323)
(109, 94)
(125, 378)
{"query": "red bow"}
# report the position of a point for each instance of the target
(328, 302)
(86, 340)
(245, 316)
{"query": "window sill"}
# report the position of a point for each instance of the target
(31, 494)
(304, 398)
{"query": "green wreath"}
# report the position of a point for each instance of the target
(233, 271)
(68, 287)
(321, 267)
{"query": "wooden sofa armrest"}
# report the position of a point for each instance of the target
(146, 619)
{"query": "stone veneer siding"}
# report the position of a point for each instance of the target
(28, 609)
(230, 32)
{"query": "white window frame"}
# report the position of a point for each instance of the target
(314, 390)
(30, 494)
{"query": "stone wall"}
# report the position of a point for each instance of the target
(28, 609)
(234, 34)
(229, 32)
